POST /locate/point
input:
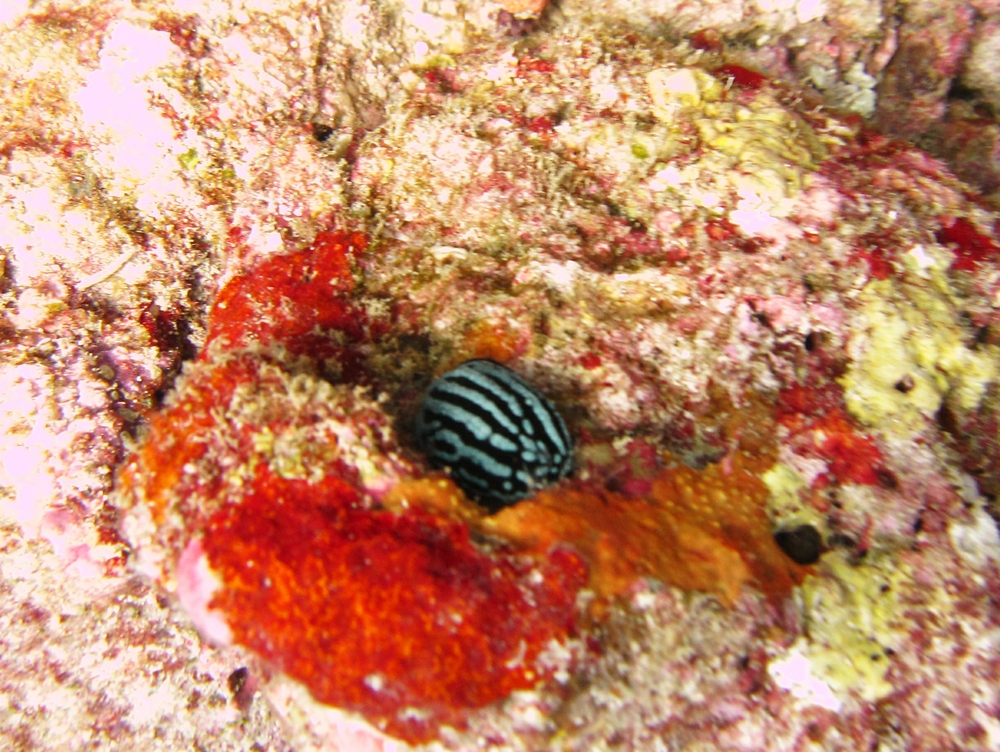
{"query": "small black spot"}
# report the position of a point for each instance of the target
(905, 384)
(802, 544)
(619, 212)
(886, 478)
(614, 484)
(947, 419)
(237, 679)
(812, 341)
(959, 91)
(321, 132)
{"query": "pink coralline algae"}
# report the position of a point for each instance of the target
(771, 330)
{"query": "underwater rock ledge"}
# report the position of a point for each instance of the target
(770, 329)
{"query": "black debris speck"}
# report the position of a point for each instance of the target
(803, 544)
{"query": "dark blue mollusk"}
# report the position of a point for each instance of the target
(498, 437)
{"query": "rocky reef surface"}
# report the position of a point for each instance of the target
(750, 251)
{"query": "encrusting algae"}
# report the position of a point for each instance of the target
(684, 289)
(372, 592)
(224, 297)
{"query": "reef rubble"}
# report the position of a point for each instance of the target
(750, 251)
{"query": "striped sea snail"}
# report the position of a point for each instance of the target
(495, 434)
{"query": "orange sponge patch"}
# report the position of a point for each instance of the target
(697, 530)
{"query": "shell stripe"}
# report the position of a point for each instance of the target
(456, 437)
(497, 436)
(470, 394)
(484, 420)
(508, 386)
(545, 419)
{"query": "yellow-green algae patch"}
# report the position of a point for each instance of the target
(767, 147)
(852, 615)
(674, 88)
(758, 150)
(785, 504)
(911, 334)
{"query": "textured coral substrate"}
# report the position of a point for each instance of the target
(240, 240)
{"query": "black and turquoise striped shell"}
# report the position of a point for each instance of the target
(495, 434)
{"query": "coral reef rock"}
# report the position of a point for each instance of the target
(240, 240)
